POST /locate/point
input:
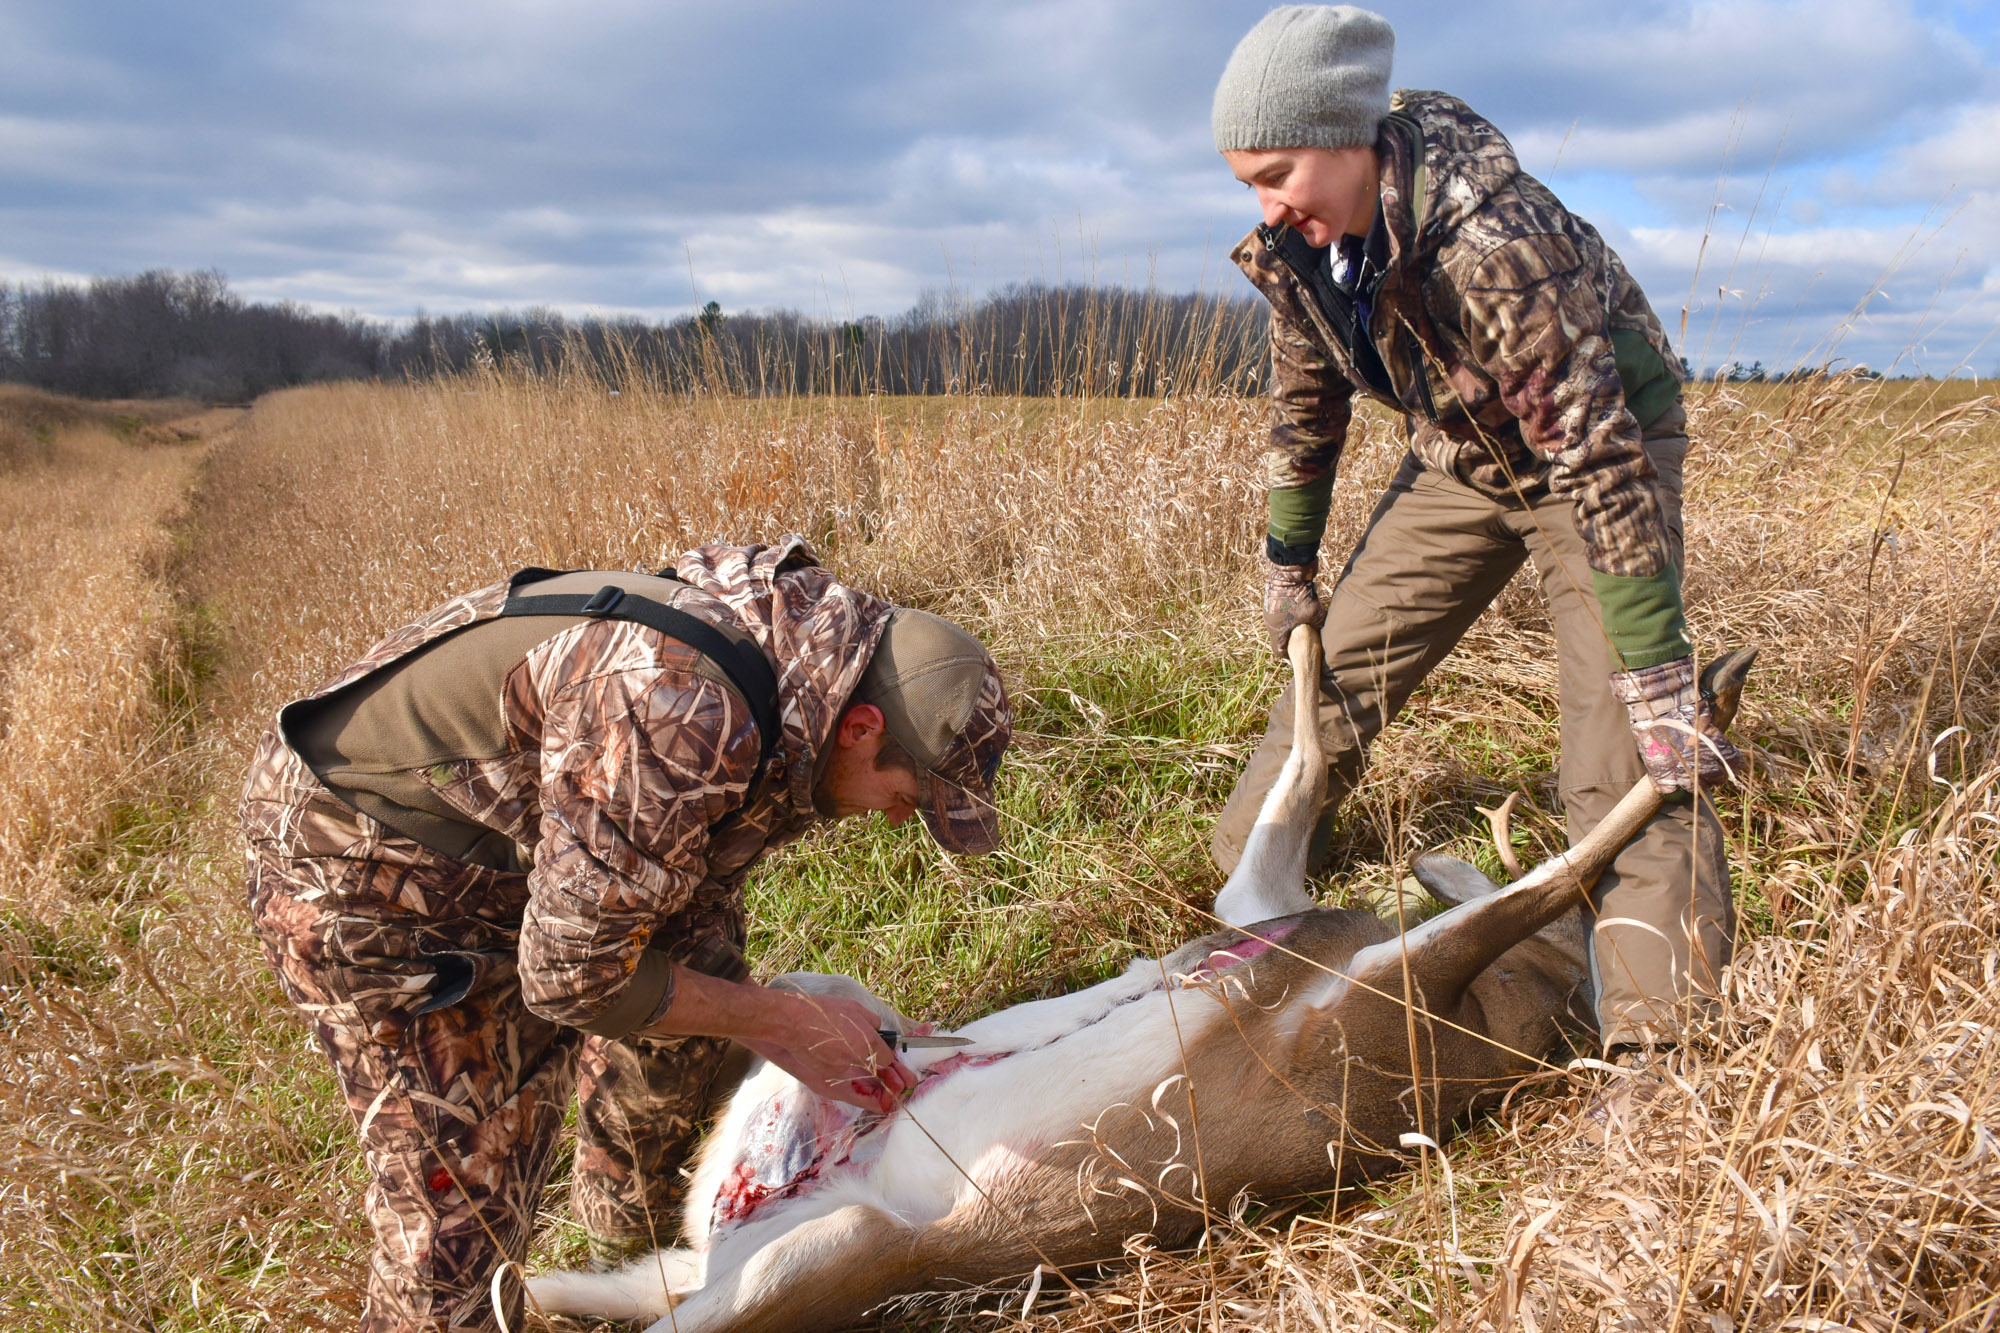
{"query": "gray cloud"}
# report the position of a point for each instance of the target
(843, 156)
(1648, 87)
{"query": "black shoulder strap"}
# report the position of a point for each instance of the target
(739, 660)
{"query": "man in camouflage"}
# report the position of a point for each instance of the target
(1407, 256)
(503, 854)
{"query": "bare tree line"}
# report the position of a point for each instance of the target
(162, 333)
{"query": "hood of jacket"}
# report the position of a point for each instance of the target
(1466, 161)
(1455, 163)
(818, 632)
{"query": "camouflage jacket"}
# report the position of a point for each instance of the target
(1504, 330)
(622, 761)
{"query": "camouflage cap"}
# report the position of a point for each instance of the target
(942, 700)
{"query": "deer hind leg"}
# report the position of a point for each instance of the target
(644, 1289)
(1270, 878)
(1455, 883)
(822, 1274)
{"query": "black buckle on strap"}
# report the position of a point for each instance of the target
(604, 600)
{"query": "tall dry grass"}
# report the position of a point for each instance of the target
(93, 676)
(95, 695)
(1823, 1158)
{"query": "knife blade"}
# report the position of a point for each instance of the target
(897, 1041)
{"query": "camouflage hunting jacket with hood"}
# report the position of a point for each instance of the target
(1507, 334)
(625, 780)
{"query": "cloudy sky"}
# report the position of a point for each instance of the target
(1782, 170)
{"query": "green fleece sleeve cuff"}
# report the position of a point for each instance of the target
(1298, 513)
(642, 999)
(1643, 617)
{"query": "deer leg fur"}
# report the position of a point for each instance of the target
(1445, 953)
(1270, 878)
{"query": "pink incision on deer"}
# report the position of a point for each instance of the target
(794, 1140)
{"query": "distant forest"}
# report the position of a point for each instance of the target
(163, 334)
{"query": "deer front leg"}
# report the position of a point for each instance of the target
(1443, 955)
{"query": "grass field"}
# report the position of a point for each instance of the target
(1824, 1159)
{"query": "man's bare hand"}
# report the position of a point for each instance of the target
(831, 1046)
(827, 1042)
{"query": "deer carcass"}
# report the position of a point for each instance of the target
(1288, 1053)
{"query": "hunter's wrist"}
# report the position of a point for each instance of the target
(772, 1015)
(710, 1006)
(1278, 553)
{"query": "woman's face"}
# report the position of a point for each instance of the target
(1321, 193)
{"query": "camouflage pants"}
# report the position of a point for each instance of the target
(402, 961)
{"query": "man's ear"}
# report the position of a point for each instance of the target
(857, 724)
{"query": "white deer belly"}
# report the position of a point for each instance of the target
(976, 1115)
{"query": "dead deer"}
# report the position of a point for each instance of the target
(1290, 1053)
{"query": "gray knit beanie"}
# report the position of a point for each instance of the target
(1307, 76)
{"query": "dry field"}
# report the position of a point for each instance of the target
(1825, 1158)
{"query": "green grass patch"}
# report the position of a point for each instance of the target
(1122, 755)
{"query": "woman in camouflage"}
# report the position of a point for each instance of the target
(1407, 257)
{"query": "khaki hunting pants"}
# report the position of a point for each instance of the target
(1436, 552)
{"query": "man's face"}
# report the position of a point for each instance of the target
(1321, 193)
(852, 784)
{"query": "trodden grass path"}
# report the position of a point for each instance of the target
(144, 1157)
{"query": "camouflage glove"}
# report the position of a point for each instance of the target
(1670, 720)
(1290, 600)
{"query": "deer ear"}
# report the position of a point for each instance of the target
(1451, 880)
